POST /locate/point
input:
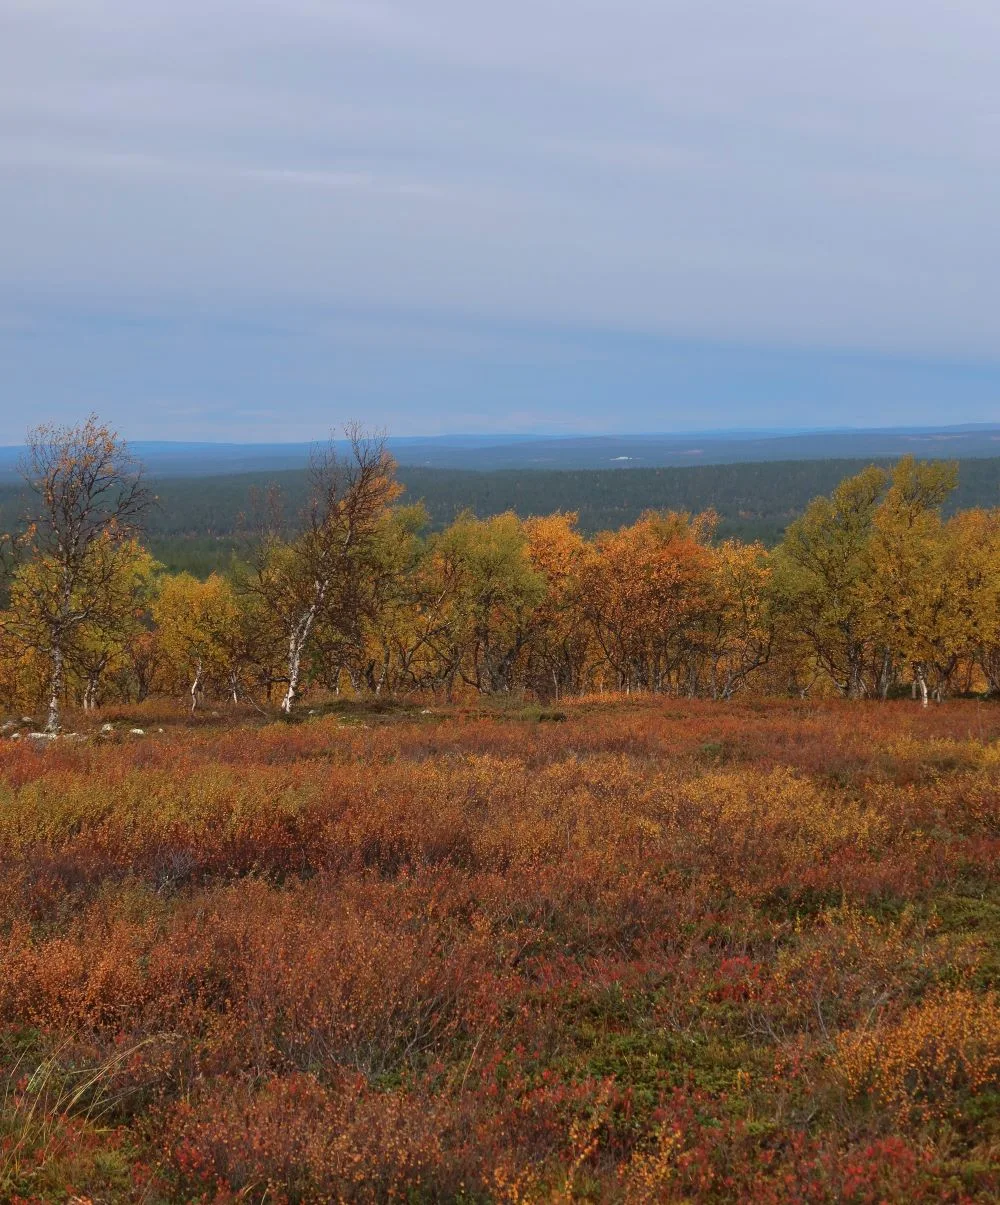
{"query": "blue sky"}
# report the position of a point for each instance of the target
(255, 220)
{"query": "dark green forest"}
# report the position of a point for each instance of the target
(200, 522)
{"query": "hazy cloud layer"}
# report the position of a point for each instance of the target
(818, 175)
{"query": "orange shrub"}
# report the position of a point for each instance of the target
(926, 1061)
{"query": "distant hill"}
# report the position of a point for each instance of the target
(196, 523)
(488, 453)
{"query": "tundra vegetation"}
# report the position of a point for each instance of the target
(567, 869)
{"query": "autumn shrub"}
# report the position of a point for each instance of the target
(474, 957)
(292, 1140)
(932, 1057)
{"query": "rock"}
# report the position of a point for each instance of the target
(137, 732)
(106, 728)
(43, 736)
(26, 719)
(16, 736)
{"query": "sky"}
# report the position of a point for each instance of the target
(250, 220)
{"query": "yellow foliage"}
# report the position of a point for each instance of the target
(947, 1045)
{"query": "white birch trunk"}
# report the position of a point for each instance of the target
(294, 671)
(296, 645)
(55, 693)
(196, 687)
(921, 683)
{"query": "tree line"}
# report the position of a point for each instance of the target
(871, 591)
(196, 523)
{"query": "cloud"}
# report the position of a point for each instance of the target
(821, 175)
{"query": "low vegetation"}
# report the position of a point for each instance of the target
(658, 950)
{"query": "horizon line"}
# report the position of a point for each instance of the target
(537, 436)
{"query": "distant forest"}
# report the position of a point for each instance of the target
(198, 522)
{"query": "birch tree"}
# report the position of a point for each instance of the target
(197, 622)
(78, 542)
(821, 569)
(738, 630)
(911, 592)
(646, 592)
(100, 646)
(974, 562)
(485, 568)
(303, 578)
(563, 646)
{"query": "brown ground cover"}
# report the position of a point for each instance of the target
(627, 950)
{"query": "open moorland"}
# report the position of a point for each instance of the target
(627, 950)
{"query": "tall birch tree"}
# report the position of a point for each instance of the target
(311, 576)
(79, 540)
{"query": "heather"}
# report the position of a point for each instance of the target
(623, 949)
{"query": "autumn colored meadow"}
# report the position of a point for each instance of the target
(630, 949)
